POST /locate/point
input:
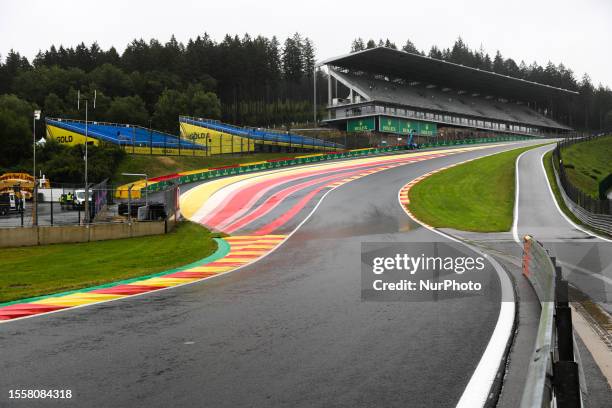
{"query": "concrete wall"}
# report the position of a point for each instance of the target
(30, 236)
(64, 234)
(140, 229)
(16, 237)
(102, 232)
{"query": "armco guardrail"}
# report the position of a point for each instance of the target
(553, 374)
(161, 183)
(594, 212)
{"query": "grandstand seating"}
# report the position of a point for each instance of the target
(125, 135)
(260, 136)
(437, 100)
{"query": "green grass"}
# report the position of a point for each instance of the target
(155, 166)
(548, 166)
(33, 271)
(588, 163)
(475, 196)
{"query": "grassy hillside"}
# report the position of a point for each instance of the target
(548, 166)
(155, 166)
(475, 196)
(588, 163)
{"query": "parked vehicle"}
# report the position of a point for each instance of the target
(79, 198)
(9, 202)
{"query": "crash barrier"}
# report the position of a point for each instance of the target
(163, 182)
(32, 236)
(553, 376)
(594, 212)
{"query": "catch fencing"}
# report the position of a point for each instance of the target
(64, 205)
(554, 376)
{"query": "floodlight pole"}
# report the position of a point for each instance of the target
(314, 76)
(86, 153)
(34, 189)
(34, 145)
(86, 181)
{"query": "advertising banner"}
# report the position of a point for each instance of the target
(360, 125)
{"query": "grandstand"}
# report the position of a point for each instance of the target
(220, 137)
(199, 137)
(390, 91)
(132, 138)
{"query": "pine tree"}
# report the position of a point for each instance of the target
(435, 52)
(409, 47)
(274, 59)
(498, 64)
(357, 45)
(389, 44)
(308, 57)
(292, 59)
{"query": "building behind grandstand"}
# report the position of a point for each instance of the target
(383, 90)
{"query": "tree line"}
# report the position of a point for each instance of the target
(151, 82)
(245, 80)
(256, 81)
(592, 110)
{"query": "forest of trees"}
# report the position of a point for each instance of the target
(246, 80)
(255, 81)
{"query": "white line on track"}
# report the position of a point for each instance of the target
(554, 200)
(516, 199)
(186, 194)
(200, 280)
(477, 390)
(187, 283)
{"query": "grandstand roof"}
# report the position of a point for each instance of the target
(387, 61)
(437, 100)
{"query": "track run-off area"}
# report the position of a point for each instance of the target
(287, 326)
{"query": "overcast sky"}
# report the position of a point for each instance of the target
(577, 33)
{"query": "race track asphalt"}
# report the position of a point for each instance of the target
(289, 330)
(586, 260)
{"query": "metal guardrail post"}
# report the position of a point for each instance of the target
(566, 382)
(130, 203)
(553, 377)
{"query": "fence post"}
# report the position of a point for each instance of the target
(130, 203)
(566, 384)
(51, 193)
